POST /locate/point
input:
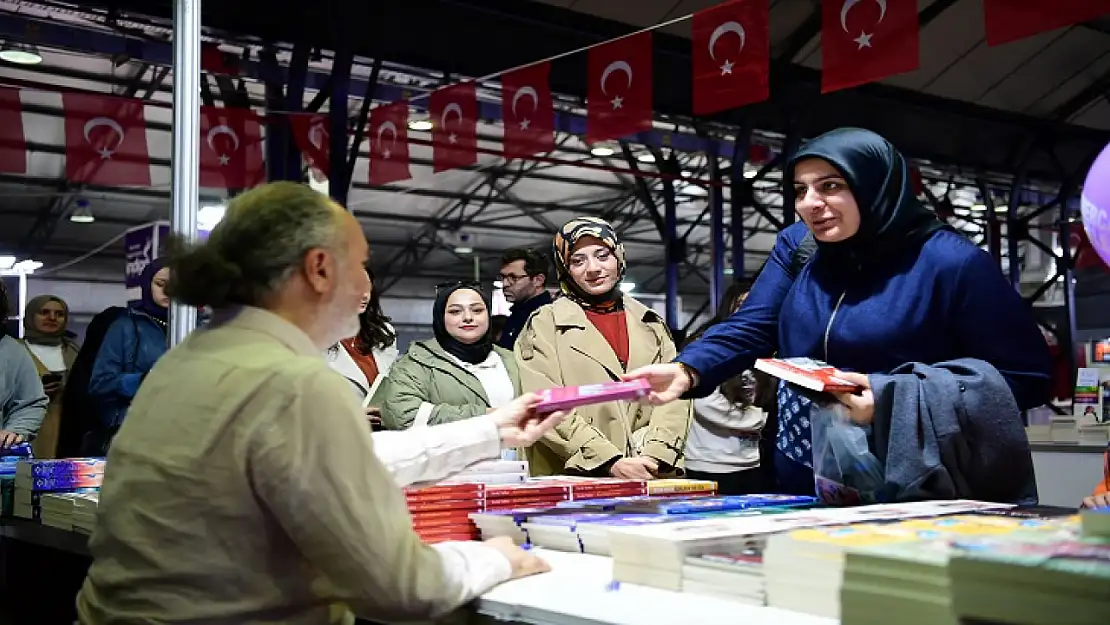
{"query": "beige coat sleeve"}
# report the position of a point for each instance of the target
(313, 465)
(670, 423)
(583, 447)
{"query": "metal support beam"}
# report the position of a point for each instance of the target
(717, 230)
(339, 180)
(737, 195)
(673, 246)
(185, 179)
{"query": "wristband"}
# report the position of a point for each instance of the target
(691, 374)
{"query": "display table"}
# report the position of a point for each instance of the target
(577, 591)
(1066, 472)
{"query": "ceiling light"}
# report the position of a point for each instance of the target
(210, 215)
(20, 54)
(979, 207)
(26, 266)
(82, 214)
(420, 125)
(729, 271)
(602, 150)
(6, 262)
(751, 173)
(462, 249)
(646, 157)
(628, 287)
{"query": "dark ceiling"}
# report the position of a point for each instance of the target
(482, 37)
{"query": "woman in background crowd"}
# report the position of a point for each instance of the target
(945, 350)
(724, 440)
(45, 322)
(368, 356)
(457, 375)
(595, 333)
(22, 399)
(133, 343)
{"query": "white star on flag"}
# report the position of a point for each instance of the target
(727, 67)
(224, 159)
(525, 123)
(453, 138)
(617, 102)
(864, 40)
(385, 154)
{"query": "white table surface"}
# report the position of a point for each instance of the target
(577, 591)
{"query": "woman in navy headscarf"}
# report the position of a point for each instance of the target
(131, 346)
(887, 289)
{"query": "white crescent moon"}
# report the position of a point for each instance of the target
(222, 129)
(392, 128)
(447, 110)
(528, 91)
(316, 134)
(848, 4)
(727, 27)
(615, 66)
(96, 122)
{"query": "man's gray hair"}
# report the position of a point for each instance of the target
(260, 242)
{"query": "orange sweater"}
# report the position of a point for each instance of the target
(1104, 486)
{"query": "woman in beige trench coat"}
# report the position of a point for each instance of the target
(594, 333)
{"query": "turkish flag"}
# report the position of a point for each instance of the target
(732, 55)
(454, 114)
(866, 40)
(230, 148)
(13, 144)
(619, 98)
(1010, 20)
(389, 143)
(215, 61)
(310, 133)
(105, 140)
(527, 111)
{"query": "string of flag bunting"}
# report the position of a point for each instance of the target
(862, 41)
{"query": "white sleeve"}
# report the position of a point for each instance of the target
(472, 568)
(718, 410)
(429, 454)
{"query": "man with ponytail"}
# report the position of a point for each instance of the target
(244, 485)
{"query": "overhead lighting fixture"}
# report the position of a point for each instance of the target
(628, 287)
(751, 173)
(729, 271)
(20, 53)
(602, 150)
(979, 207)
(6, 262)
(646, 157)
(82, 214)
(420, 125)
(210, 215)
(26, 266)
(464, 250)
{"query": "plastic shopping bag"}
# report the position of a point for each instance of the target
(845, 471)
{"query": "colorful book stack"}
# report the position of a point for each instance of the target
(8, 461)
(34, 478)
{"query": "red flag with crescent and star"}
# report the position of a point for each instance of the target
(105, 140)
(1010, 20)
(527, 111)
(619, 99)
(230, 148)
(389, 143)
(454, 115)
(864, 41)
(13, 143)
(310, 133)
(732, 55)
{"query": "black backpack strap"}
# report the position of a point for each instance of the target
(807, 247)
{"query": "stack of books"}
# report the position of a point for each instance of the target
(36, 478)
(491, 472)
(442, 513)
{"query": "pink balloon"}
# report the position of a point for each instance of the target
(1095, 205)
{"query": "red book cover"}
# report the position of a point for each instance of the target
(807, 373)
(570, 397)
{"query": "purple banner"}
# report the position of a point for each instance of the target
(142, 245)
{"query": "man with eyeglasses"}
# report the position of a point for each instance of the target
(523, 273)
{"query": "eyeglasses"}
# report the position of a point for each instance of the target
(468, 284)
(509, 278)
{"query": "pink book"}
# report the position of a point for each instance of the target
(569, 397)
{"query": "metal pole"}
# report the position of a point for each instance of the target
(738, 184)
(671, 243)
(185, 166)
(717, 227)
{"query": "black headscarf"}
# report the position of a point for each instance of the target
(891, 216)
(475, 352)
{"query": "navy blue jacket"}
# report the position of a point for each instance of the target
(941, 301)
(132, 344)
(519, 315)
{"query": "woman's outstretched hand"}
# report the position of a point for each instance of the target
(520, 425)
(668, 381)
(861, 407)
